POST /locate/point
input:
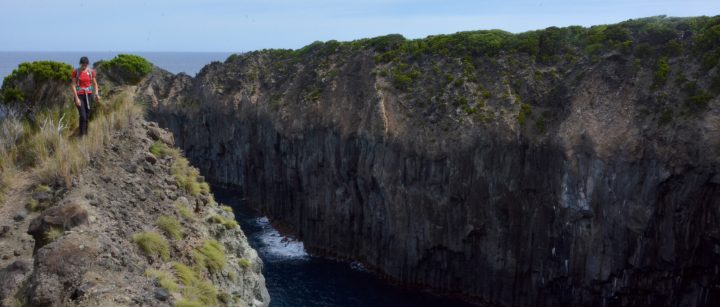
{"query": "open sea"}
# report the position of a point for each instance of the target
(174, 62)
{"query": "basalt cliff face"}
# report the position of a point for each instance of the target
(560, 167)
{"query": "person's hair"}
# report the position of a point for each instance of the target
(84, 60)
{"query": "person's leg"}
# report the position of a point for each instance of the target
(83, 115)
(88, 111)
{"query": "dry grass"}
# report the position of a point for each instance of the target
(73, 155)
(45, 147)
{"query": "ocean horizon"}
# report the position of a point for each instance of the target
(174, 62)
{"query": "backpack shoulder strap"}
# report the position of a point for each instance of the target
(77, 73)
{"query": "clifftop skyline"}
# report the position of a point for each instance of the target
(237, 26)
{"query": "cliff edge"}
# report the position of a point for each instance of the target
(119, 218)
(564, 166)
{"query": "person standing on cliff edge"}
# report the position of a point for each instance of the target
(85, 90)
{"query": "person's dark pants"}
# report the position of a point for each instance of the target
(84, 110)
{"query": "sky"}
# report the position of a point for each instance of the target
(245, 25)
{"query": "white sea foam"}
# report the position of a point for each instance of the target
(357, 266)
(277, 247)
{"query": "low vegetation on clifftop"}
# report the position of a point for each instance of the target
(487, 75)
(122, 199)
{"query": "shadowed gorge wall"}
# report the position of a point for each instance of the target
(544, 168)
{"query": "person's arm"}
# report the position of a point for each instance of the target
(74, 91)
(97, 88)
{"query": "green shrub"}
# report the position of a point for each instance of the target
(673, 48)
(715, 83)
(525, 111)
(699, 100)
(486, 94)
(314, 95)
(708, 38)
(387, 42)
(404, 80)
(665, 117)
(129, 68)
(165, 279)
(11, 94)
(170, 226)
(541, 125)
(657, 33)
(40, 71)
(226, 208)
(152, 243)
(661, 72)
(15, 91)
(643, 50)
(210, 255)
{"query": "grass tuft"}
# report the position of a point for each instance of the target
(53, 234)
(170, 226)
(245, 263)
(152, 243)
(228, 223)
(165, 279)
(195, 290)
(184, 211)
(160, 149)
(41, 188)
(33, 205)
(210, 255)
(186, 176)
(187, 303)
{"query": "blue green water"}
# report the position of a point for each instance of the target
(297, 279)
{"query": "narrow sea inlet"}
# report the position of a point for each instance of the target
(295, 278)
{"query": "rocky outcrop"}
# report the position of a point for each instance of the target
(513, 178)
(86, 248)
